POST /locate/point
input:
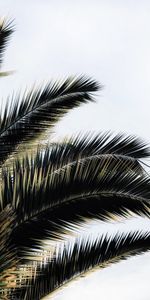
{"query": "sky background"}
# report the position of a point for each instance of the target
(108, 40)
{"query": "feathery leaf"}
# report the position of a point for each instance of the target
(127, 148)
(105, 143)
(24, 121)
(93, 189)
(83, 256)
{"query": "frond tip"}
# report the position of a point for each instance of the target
(6, 29)
(82, 257)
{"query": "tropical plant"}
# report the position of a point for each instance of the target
(46, 191)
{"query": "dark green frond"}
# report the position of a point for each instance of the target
(126, 148)
(6, 30)
(93, 189)
(55, 223)
(82, 257)
(105, 143)
(24, 120)
(31, 190)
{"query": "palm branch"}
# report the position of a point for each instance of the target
(52, 202)
(80, 258)
(24, 120)
(127, 148)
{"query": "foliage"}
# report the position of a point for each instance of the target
(48, 191)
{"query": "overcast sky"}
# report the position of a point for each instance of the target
(108, 40)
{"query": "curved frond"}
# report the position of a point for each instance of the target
(82, 257)
(93, 189)
(59, 155)
(127, 148)
(104, 143)
(25, 120)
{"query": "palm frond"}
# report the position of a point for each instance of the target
(105, 143)
(89, 176)
(68, 152)
(25, 120)
(82, 257)
(6, 29)
(128, 148)
(89, 190)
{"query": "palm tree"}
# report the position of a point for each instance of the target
(48, 190)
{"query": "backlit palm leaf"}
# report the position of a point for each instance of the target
(24, 120)
(127, 148)
(83, 256)
(93, 189)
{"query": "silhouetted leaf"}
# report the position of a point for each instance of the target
(83, 256)
(48, 202)
(25, 120)
(6, 29)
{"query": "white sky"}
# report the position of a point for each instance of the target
(110, 41)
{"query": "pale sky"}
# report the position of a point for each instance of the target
(108, 40)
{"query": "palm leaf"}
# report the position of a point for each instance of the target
(93, 189)
(6, 29)
(81, 258)
(25, 120)
(128, 148)
(105, 143)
